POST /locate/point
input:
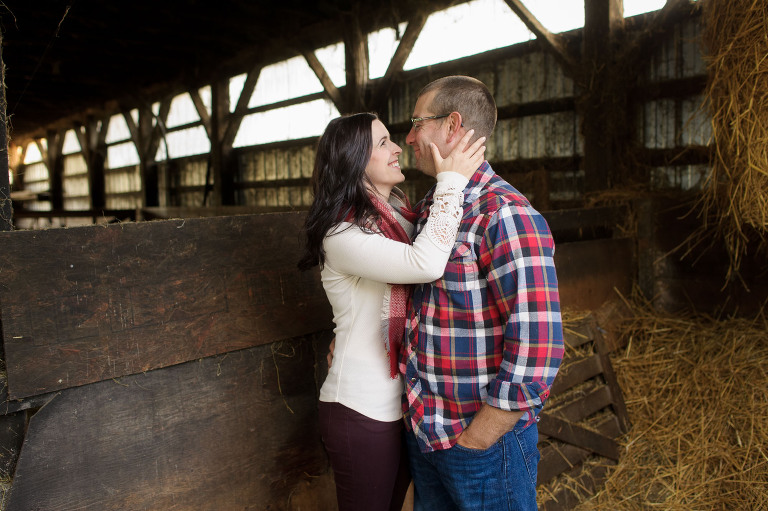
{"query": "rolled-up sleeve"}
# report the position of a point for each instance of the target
(518, 256)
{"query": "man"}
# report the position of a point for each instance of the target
(483, 343)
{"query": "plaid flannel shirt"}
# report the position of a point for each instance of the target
(489, 331)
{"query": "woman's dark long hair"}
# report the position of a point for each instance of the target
(339, 182)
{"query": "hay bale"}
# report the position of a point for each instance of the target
(735, 196)
(696, 389)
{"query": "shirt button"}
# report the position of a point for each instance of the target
(413, 380)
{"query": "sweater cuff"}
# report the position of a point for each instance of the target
(452, 180)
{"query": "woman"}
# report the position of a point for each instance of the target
(358, 230)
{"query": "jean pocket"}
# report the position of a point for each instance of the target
(477, 452)
(528, 439)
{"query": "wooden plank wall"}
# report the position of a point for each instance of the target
(123, 299)
(175, 364)
(235, 431)
(198, 342)
(86, 304)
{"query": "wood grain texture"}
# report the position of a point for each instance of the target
(235, 431)
(86, 304)
(590, 272)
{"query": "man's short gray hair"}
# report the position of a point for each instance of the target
(468, 96)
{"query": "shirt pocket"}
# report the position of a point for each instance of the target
(461, 272)
(462, 253)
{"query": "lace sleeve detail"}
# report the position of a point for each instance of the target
(445, 214)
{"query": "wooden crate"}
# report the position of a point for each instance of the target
(582, 421)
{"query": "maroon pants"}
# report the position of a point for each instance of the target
(368, 457)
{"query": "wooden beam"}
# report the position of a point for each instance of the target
(230, 124)
(83, 139)
(119, 214)
(147, 168)
(602, 21)
(218, 167)
(93, 142)
(43, 153)
(356, 65)
(552, 42)
(152, 142)
(330, 88)
(603, 105)
(132, 129)
(546, 106)
(289, 102)
(202, 111)
(150, 186)
(384, 86)
(55, 162)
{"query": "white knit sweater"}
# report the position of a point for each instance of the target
(357, 268)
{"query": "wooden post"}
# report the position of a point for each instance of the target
(603, 98)
(381, 93)
(54, 160)
(221, 149)
(92, 138)
(142, 135)
(223, 130)
(356, 58)
(6, 206)
(146, 138)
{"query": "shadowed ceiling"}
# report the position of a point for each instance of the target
(66, 57)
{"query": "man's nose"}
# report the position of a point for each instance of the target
(410, 139)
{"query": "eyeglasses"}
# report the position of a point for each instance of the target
(414, 120)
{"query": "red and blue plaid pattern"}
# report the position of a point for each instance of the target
(489, 331)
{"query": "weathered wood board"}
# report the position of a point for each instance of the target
(234, 431)
(590, 272)
(86, 304)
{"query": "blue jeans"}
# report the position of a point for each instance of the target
(503, 477)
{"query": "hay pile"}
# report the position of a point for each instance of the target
(697, 393)
(735, 198)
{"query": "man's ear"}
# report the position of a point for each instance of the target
(455, 123)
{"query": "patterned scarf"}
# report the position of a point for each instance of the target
(392, 218)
